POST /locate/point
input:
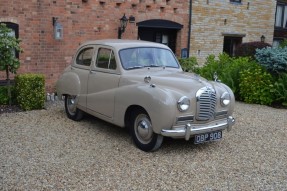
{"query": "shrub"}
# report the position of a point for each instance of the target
(228, 70)
(189, 64)
(4, 98)
(231, 73)
(280, 89)
(30, 90)
(273, 59)
(213, 65)
(249, 49)
(256, 86)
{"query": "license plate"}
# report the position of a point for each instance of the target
(206, 137)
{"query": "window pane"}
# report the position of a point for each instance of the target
(85, 57)
(165, 39)
(113, 64)
(279, 12)
(103, 58)
(285, 18)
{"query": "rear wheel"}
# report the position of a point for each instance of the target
(71, 108)
(142, 132)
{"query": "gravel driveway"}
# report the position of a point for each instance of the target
(44, 150)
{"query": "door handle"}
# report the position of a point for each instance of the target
(93, 72)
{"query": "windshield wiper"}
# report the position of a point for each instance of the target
(153, 65)
(134, 67)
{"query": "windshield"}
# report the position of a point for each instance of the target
(140, 57)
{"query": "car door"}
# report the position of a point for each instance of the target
(103, 82)
(81, 66)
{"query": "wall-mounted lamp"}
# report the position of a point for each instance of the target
(58, 29)
(121, 29)
(262, 38)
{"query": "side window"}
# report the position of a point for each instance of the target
(85, 56)
(106, 59)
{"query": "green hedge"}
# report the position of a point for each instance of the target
(250, 81)
(228, 70)
(30, 90)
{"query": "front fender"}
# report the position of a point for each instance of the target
(159, 103)
(68, 83)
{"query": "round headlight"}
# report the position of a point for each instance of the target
(225, 99)
(183, 104)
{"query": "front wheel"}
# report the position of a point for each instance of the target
(71, 108)
(142, 132)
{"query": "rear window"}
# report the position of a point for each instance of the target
(85, 56)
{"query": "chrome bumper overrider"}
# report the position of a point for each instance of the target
(188, 130)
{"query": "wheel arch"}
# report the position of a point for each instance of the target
(158, 103)
(68, 84)
(129, 111)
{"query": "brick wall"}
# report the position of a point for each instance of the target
(81, 21)
(212, 18)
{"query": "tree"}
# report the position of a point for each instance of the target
(8, 61)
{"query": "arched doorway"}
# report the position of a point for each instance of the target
(158, 30)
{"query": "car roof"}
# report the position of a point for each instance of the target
(120, 43)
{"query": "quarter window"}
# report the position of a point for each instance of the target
(281, 16)
(106, 59)
(85, 56)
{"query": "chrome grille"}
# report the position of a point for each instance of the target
(206, 103)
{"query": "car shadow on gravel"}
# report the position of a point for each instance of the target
(105, 126)
(122, 134)
(182, 144)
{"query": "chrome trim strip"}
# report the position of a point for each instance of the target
(221, 113)
(184, 119)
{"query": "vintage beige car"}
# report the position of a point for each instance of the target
(140, 85)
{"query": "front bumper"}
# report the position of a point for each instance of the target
(189, 130)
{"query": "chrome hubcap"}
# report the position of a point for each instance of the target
(71, 103)
(143, 129)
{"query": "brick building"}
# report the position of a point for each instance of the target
(34, 21)
(201, 27)
(220, 25)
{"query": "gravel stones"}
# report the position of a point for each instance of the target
(44, 150)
